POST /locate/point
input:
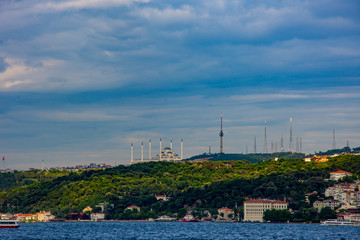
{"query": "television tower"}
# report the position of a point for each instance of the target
(334, 143)
(150, 149)
(182, 149)
(254, 144)
(221, 137)
(265, 143)
(132, 154)
(291, 149)
(300, 144)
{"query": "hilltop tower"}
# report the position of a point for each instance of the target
(149, 149)
(182, 150)
(132, 154)
(265, 142)
(291, 149)
(221, 134)
(254, 144)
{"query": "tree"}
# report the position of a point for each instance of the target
(327, 213)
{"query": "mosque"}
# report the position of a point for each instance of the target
(166, 155)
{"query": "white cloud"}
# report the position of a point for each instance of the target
(83, 4)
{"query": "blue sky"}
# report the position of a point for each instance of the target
(80, 80)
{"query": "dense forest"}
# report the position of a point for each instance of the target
(195, 186)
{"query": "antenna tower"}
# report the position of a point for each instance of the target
(282, 143)
(265, 143)
(221, 134)
(291, 149)
(334, 143)
(254, 144)
(300, 144)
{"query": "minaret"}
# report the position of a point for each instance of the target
(276, 147)
(347, 144)
(142, 151)
(282, 143)
(254, 144)
(221, 137)
(272, 146)
(132, 154)
(209, 149)
(334, 143)
(150, 150)
(291, 141)
(265, 142)
(171, 145)
(182, 150)
(42, 165)
(160, 150)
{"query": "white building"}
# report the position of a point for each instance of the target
(326, 203)
(97, 216)
(254, 209)
(339, 174)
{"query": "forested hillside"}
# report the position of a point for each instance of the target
(200, 185)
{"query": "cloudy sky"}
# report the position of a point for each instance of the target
(80, 80)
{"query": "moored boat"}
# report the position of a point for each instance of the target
(337, 222)
(165, 219)
(9, 223)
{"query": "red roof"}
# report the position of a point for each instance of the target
(340, 171)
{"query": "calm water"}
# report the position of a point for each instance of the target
(178, 230)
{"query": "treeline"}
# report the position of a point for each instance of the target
(251, 157)
(201, 186)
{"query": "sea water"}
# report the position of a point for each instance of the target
(177, 230)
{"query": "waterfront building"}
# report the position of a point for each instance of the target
(225, 214)
(254, 209)
(97, 216)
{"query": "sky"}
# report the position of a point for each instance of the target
(80, 80)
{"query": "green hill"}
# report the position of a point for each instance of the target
(209, 185)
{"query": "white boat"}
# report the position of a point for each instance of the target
(165, 219)
(9, 223)
(337, 222)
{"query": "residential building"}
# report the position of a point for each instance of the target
(307, 195)
(339, 174)
(6, 216)
(254, 209)
(162, 198)
(336, 190)
(225, 214)
(97, 216)
(45, 216)
(333, 204)
(350, 199)
(132, 207)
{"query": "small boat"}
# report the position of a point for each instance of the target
(9, 223)
(165, 219)
(342, 222)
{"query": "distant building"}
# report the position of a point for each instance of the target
(339, 174)
(132, 207)
(162, 198)
(7, 216)
(97, 216)
(45, 216)
(254, 209)
(307, 195)
(337, 190)
(225, 214)
(333, 204)
(350, 199)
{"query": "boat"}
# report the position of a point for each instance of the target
(9, 223)
(190, 220)
(342, 222)
(165, 219)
